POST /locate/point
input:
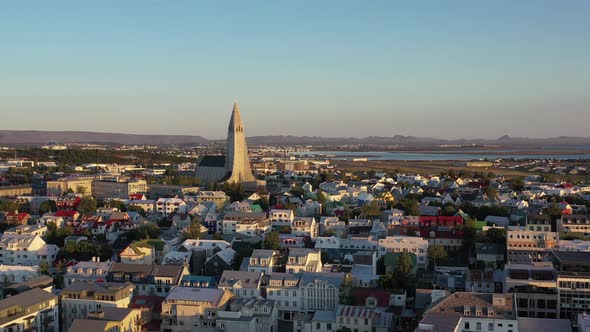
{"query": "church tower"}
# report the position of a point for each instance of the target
(237, 164)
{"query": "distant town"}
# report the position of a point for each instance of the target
(229, 236)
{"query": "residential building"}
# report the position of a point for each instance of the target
(281, 218)
(33, 310)
(242, 284)
(304, 260)
(217, 197)
(80, 299)
(526, 246)
(167, 206)
(491, 255)
(360, 318)
(535, 289)
(409, 244)
(539, 223)
(261, 260)
(91, 271)
(248, 315)
(149, 279)
(574, 223)
(109, 319)
(148, 205)
(245, 223)
(26, 249)
(305, 226)
(187, 308)
(283, 288)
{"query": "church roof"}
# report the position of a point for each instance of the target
(212, 161)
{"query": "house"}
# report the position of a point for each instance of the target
(409, 244)
(148, 205)
(490, 254)
(221, 261)
(358, 318)
(166, 206)
(26, 249)
(281, 218)
(261, 260)
(17, 218)
(302, 259)
(305, 226)
(193, 307)
(243, 284)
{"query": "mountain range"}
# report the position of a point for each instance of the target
(36, 137)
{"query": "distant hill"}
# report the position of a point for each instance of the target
(42, 137)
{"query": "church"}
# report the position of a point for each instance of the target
(235, 166)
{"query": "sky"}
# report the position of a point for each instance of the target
(445, 69)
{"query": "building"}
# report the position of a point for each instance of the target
(574, 223)
(491, 255)
(109, 319)
(409, 244)
(80, 299)
(248, 315)
(245, 223)
(236, 163)
(305, 226)
(462, 311)
(442, 230)
(149, 279)
(26, 249)
(84, 272)
(61, 186)
(187, 308)
(217, 197)
(304, 260)
(360, 318)
(242, 284)
(261, 260)
(167, 206)
(33, 310)
(148, 205)
(526, 246)
(118, 187)
(16, 190)
(281, 218)
(535, 289)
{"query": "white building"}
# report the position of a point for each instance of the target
(304, 260)
(280, 218)
(166, 206)
(305, 226)
(84, 272)
(25, 249)
(261, 260)
(248, 315)
(409, 244)
(243, 284)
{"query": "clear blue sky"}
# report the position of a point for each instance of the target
(446, 69)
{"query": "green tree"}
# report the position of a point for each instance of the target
(47, 206)
(297, 191)
(81, 190)
(346, 290)
(44, 268)
(491, 192)
(263, 202)
(437, 252)
(409, 206)
(8, 205)
(135, 208)
(285, 230)
(87, 205)
(402, 276)
(194, 231)
(371, 210)
(217, 236)
(516, 183)
(272, 241)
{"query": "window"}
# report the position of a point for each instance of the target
(478, 326)
(490, 326)
(467, 325)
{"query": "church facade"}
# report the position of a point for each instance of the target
(235, 166)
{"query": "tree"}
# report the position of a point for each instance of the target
(81, 190)
(234, 190)
(402, 276)
(217, 236)
(371, 210)
(491, 192)
(8, 205)
(44, 268)
(297, 191)
(194, 231)
(285, 230)
(346, 290)
(263, 202)
(151, 231)
(135, 208)
(272, 241)
(87, 205)
(47, 206)
(409, 206)
(516, 183)
(437, 252)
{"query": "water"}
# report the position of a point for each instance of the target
(429, 155)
